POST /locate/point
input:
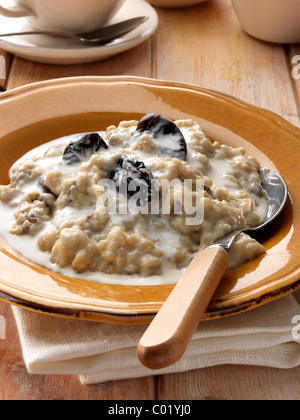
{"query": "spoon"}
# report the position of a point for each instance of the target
(103, 35)
(169, 334)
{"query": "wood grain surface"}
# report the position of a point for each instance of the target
(204, 45)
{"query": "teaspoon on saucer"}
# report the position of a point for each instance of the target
(100, 36)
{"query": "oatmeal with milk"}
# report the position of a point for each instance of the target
(136, 201)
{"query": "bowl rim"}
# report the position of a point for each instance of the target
(124, 317)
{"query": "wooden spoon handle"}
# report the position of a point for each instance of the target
(169, 334)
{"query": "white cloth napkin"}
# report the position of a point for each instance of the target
(265, 336)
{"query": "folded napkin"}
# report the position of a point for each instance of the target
(266, 336)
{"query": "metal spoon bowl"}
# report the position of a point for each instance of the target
(277, 193)
(100, 36)
(169, 334)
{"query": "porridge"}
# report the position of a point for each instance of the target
(96, 203)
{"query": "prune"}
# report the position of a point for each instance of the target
(83, 147)
(165, 134)
(131, 176)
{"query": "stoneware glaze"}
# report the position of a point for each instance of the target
(37, 113)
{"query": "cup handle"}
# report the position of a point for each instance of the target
(16, 11)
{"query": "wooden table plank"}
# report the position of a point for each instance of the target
(135, 62)
(232, 382)
(213, 51)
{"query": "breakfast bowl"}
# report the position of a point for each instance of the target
(40, 113)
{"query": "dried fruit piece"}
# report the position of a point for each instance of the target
(83, 147)
(131, 176)
(165, 134)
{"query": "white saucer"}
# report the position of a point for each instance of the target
(50, 50)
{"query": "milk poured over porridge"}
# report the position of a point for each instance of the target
(92, 205)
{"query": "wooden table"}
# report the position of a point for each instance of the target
(202, 45)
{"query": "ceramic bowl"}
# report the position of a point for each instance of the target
(270, 20)
(37, 113)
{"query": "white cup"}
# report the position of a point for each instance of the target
(64, 15)
(270, 20)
